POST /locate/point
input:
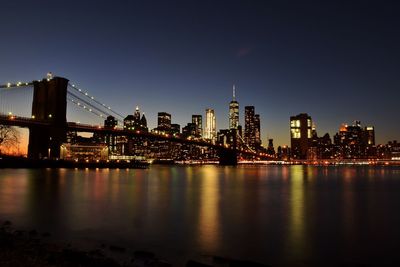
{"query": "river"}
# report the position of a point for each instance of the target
(289, 215)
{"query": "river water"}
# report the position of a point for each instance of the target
(289, 215)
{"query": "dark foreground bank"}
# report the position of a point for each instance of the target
(34, 249)
(30, 248)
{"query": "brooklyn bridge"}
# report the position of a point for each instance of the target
(49, 128)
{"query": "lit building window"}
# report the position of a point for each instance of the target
(295, 133)
(295, 123)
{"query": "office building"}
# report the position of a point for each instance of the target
(369, 136)
(210, 131)
(249, 127)
(233, 111)
(197, 120)
(164, 122)
(300, 135)
(175, 129)
(189, 130)
(257, 131)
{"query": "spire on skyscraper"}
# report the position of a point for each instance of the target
(234, 93)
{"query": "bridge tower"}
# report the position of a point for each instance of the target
(49, 105)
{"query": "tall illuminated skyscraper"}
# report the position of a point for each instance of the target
(249, 126)
(210, 131)
(233, 111)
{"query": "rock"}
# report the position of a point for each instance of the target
(96, 253)
(143, 254)
(117, 249)
(220, 261)
(18, 232)
(46, 234)
(163, 264)
(192, 263)
(33, 233)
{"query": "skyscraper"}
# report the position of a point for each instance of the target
(211, 127)
(111, 140)
(164, 122)
(300, 135)
(134, 122)
(197, 120)
(233, 111)
(249, 126)
(257, 130)
(369, 135)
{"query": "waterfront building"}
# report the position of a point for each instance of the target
(283, 153)
(143, 123)
(189, 130)
(135, 122)
(270, 148)
(355, 142)
(111, 140)
(233, 111)
(210, 132)
(133, 146)
(390, 151)
(110, 122)
(369, 135)
(164, 122)
(197, 120)
(175, 129)
(86, 151)
(300, 135)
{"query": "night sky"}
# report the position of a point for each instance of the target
(339, 61)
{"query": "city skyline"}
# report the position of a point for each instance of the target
(335, 61)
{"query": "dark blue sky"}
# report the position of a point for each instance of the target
(336, 60)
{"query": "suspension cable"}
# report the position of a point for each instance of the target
(85, 108)
(86, 103)
(94, 100)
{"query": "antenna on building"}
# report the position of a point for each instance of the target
(234, 93)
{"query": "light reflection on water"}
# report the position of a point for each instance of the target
(272, 214)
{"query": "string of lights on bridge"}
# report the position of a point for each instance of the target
(86, 108)
(92, 98)
(13, 85)
(85, 105)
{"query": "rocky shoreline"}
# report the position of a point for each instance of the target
(20, 248)
(34, 249)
